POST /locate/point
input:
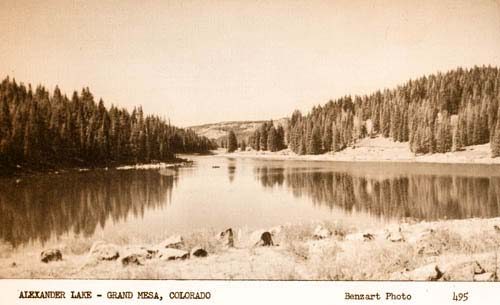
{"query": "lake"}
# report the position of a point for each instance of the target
(217, 192)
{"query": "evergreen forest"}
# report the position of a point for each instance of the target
(43, 130)
(435, 114)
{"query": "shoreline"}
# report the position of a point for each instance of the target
(25, 172)
(464, 249)
(378, 150)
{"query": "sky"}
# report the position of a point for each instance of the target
(198, 62)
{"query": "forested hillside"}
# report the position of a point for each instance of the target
(436, 113)
(242, 129)
(40, 129)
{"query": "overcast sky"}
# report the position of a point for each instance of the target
(208, 61)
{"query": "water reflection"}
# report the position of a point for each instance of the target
(418, 196)
(231, 169)
(40, 207)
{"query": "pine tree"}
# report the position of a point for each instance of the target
(232, 143)
(5, 129)
(263, 136)
(257, 140)
(315, 142)
(272, 137)
(280, 137)
(495, 143)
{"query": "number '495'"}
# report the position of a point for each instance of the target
(461, 296)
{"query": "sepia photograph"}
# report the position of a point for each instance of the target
(320, 140)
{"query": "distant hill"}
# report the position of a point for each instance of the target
(242, 129)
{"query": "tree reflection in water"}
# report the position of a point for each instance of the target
(419, 196)
(40, 207)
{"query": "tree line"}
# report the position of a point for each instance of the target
(437, 113)
(268, 137)
(42, 129)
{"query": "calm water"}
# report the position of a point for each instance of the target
(218, 192)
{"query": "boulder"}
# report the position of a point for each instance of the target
(132, 259)
(137, 255)
(226, 238)
(169, 254)
(437, 275)
(103, 251)
(368, 237)
(478, 269)
(198, 252)
(321, 232)
(465, 270)
(427, 273)
(395, 236)
(485, 277)
(51, 255)
(175, 242)
(261, 238)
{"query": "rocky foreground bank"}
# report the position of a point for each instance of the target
(428, 251)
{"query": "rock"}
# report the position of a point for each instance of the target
(51, 255)
(368, 237)
(173, 254)
(175, 242)
(497, 228)
(266, 239)
(478, 269)
(198, 252)
(261, 238)
(437, 276)
(13, 264)
(137, 255)
(320, 232)
(429, 272)
(395, 236)
(132, 259)
(18, 181)
(226, 238)
(102, 251)
(485, 277)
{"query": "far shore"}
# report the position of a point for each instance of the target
(378, 150)
(465, 250)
